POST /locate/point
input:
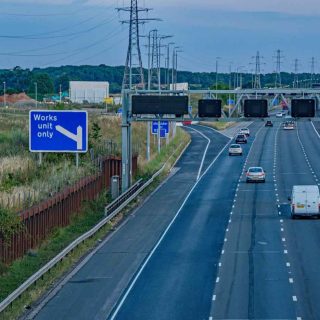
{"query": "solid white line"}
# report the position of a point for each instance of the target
(315, 130)
(115, 313)
(205, 151)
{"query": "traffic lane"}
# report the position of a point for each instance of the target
(93, 291)
(252, 281)
(212, 134)
(215, 139)
(302, 236)
(177, 281)
(311, 144)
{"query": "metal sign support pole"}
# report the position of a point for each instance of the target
(77, 160)
(148, 141)
(40, 158)
(159, 140)
(126, 142)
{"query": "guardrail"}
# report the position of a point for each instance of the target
(110, 212)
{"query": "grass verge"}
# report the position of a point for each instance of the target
(218, 125)
(92, 213)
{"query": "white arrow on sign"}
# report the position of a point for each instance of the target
(75, 137)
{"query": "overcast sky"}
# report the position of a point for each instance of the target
(40, 33)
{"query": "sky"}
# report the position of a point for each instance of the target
(43, 33)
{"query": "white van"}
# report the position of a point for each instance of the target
(305, 201)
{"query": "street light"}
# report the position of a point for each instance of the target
(36, 93)
(4, 94)
(217, 63)
(168, 65)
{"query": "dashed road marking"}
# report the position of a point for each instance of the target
(294, 298)
(214, 297)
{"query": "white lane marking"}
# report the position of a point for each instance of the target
(315, 130)
(288, 264)
(291, 280)
(214, 297)
(115, 313)
(205, 151)
(283, 239)
(210, 318)
(299, 318)
(222, 252)
(294, 298)
(220, 264)
(217, 280)
(285, 251)
(281, 221)
(225, 239)
(282, 229)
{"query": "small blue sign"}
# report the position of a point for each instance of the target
(119, 111)
(190, 109)
(163, 133)
(58, 131)
(163, 125)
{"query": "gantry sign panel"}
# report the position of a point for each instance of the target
(160, 104)
(209, 108)
(303, 108)
(256, 108)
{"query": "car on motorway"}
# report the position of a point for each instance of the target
(305, 201)
(279, 115)
(241, 138)
(245, 131)
(269, 123)
(235, 149)
(255, 174)
(288, 125)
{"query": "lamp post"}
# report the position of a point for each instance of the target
(4, 94)
(36, 93)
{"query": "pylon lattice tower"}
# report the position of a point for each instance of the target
(133, 73)
(278, 82)
(154, 67)
(257, 77)
(296, 77)
(313, 63)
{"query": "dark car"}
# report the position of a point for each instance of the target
(241, 138)
(269, 124)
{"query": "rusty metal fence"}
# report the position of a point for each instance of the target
(40, 220)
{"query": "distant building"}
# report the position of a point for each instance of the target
(182, 86)
(88, 91)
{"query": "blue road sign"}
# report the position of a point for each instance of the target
(58, 131)
(163, 125)
(120, 111)
(163, 133)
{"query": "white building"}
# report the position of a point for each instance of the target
(88, 91)
(182, 86)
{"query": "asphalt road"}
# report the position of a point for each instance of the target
(94, 288)
(218, 248)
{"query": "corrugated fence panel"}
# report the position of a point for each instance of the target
(40, 220)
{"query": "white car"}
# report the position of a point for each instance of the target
(279, 115)
(235, 149)
(245, 131)
(288, 125)
(256, 174)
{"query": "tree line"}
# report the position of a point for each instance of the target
(48, 80)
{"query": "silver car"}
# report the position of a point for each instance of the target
(256, 174)
(235, 150)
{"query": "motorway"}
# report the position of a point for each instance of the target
(209, 248)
